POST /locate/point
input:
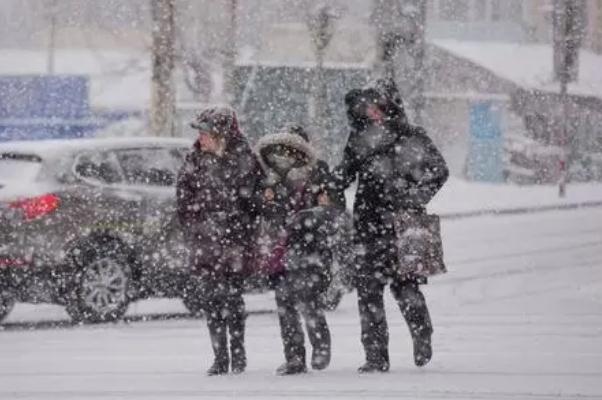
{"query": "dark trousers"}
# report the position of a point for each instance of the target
(375, 332)
(291, 306)
(225, 310)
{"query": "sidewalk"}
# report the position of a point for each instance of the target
(460, 198)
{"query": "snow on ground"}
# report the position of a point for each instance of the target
(459, 196)
(519, 316)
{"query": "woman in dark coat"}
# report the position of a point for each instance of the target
(294, 182)
(398, 169)
(216, 208)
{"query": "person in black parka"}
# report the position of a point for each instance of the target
(398, 169)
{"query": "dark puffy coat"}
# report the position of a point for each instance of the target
(398, 168)
(216, 205)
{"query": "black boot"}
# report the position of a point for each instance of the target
(291, 368)
(423, 350)
(372, 367)
(320, 359)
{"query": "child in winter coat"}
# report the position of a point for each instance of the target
(294, 184)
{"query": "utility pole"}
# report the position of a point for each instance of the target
(321, 25)
(52, 11)
(163, 55)
(230, 52)
(568, 35)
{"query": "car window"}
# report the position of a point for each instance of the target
(150, 166)
(19, 167)
(98, 166)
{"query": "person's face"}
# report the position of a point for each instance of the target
(374, 113)
(209, 142)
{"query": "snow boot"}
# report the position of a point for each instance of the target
(218, 368)
(423, 350)
(320, 359)
(291, 368)
(372, 367)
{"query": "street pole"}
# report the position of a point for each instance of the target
(163, 55)
(230, 53)
(50, 65)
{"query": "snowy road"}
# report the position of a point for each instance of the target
(519, 316)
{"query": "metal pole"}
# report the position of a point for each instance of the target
(50, 66)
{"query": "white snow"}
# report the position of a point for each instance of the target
(459, 196)
(517, 317)
(118, 79)
(528, 65)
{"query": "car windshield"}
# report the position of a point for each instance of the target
(19, 167)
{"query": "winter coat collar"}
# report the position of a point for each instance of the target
(290, 140)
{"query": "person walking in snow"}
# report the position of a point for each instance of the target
(294, 181)
(398, 169)
(215, 205)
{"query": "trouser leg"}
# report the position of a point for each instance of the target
(217, 324)
(413, 307)
(318, 333)
(290, 326)
(375, 332)
(236, 325)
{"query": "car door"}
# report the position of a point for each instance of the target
(106, 202)
(152, 171)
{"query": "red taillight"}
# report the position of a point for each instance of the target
(37, 207)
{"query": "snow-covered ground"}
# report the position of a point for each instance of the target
(460, 196)
(519, 316)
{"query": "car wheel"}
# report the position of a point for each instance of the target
(7, 302)
(101, 291)
(332, 297)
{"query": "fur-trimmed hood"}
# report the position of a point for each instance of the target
(293, 141)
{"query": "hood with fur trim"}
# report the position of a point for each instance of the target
(298, 169)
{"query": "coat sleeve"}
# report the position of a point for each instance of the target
(184, 194)
(427, 177)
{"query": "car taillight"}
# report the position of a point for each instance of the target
(37, 207)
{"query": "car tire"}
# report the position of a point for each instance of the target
(332, 298)
(102, 285)
(7, 302)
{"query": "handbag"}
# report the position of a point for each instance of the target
(419, 244)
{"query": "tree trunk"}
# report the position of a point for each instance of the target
(163, 53)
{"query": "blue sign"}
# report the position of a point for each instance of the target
(485, 161)
(44, 96)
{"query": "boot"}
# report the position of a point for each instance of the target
(372, 367)
(217, 368)
(320, 358)
(423, 351)
(291, 368)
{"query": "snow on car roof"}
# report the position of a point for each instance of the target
(56, 147)
(528, 65)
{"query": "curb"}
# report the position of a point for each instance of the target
(520, 210)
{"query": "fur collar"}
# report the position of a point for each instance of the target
(290, 140)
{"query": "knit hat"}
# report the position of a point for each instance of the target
(217, 120)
